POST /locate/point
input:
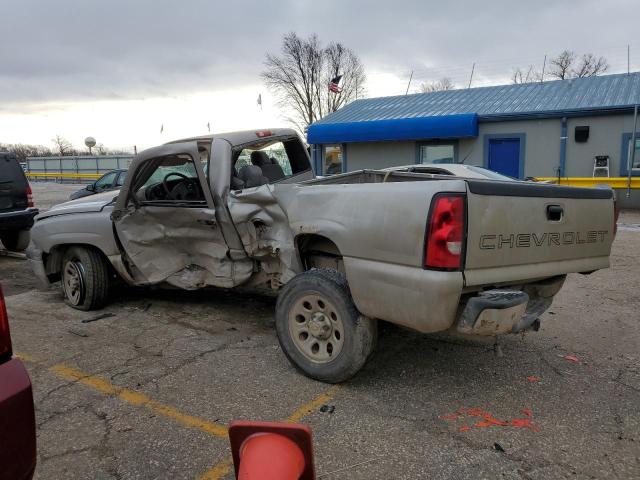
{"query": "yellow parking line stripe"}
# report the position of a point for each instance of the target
(225, 466)
(140, 399)
(219, 471)
(307, 408)
(134, 398)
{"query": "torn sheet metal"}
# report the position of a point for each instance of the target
(182, 246)
(265, 232)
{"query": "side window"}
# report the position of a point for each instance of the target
(172, 179)
(106, 181)
(270, 162)
(121, 179)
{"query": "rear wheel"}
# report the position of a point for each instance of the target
(16, 241)
(85, 278)
(319, 328)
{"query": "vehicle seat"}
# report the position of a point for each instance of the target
(270, 168)
(252, 176)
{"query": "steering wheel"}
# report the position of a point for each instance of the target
(176, 174)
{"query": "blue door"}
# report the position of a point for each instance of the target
(504, 156)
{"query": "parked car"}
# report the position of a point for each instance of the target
(109, 181)
(17, 418)
(455, 169)
(16, 204)
(428, 252)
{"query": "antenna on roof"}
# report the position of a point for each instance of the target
(544, 64)
(473, 67)
(409, 84)
(628, 60)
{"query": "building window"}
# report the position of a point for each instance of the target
(626, 155)
(332, 159)
(437, 153)
(635, 168)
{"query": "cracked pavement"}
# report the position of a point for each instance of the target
(214, 355)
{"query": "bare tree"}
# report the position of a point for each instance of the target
(525, 76)
(444, 83)
(62, 145)
(568, 65)
(23, 151)
(589, 66)
(301, 74)
(561, 65)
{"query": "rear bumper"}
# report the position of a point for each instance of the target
(17, 422)
(17, 220)
(497, 312)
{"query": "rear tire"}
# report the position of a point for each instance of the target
(17, 241)
(85, 278)
(319, 328)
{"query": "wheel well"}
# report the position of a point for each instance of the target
(317, 251)
(53, 259)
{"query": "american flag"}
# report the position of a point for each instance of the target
(334, 84)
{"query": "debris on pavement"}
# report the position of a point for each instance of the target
(571, 358)
(327, 408)
(98, 317)
(533, 378)
(488, 420)
(498, 447)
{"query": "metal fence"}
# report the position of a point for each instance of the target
(74, 169)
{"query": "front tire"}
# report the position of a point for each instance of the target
(17, 241)
(85, 279)
(319, 328)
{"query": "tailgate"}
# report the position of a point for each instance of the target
(522, 231)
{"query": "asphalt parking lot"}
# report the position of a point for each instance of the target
(147, 392)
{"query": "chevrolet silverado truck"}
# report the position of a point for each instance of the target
(244, 209)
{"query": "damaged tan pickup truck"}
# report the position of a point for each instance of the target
(429, 252)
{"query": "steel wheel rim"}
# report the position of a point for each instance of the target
(73, 281)
(316, 328)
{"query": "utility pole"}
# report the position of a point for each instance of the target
(473, 67)
(544, 64)
(409, 84)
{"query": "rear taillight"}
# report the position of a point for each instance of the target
(29, 193)
(445, 242)
(5, 336)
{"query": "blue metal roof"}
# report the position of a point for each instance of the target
(444, 126)
(547, 99)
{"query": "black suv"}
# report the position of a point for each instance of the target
(16, 204)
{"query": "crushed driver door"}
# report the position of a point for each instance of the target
(166, 225)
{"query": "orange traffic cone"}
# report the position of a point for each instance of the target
(271, 451)
(269, 456)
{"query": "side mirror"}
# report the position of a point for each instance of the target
(91, 187)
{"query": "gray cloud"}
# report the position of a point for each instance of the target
(89, 50)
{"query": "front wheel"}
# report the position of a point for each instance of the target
(319, 328)
(85, 279)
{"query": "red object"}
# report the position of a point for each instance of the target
(533, 378)
(271, 451)
(571, 358)
(17, 419)
(264, 133)
(30, 203)
(5, 335)
(444, 245)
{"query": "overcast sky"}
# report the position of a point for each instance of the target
(118, 69)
